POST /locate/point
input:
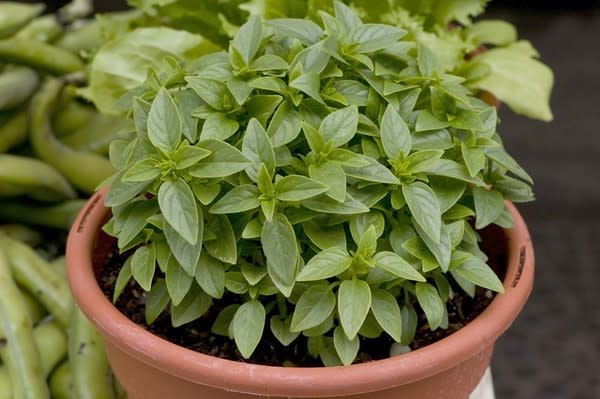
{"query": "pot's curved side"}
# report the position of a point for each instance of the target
(140, 359)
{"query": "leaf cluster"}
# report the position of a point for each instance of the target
(331, 176)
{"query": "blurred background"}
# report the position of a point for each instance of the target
(553, 349)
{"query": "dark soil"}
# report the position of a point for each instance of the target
(197, 336)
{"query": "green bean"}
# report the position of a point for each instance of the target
(45, 29)
(34, 274)
(38, 55)
(59, 216)
(14, 131)
(84, 170)
(33, 178)
(51, 343)
(59, 267)
(22, 233)
(14, 16)
(35, 310)
(97, 135)
(17, 84)
(72, 117)
(86, 38)
(22, 357)
(60, 382)
(91, 374)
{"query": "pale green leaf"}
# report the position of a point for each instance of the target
(354, 302)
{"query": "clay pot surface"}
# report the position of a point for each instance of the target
(152, 368)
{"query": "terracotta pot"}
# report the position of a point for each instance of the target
(152, 368)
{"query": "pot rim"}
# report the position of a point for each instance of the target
(478, 335)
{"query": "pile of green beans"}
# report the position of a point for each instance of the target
(53, 148)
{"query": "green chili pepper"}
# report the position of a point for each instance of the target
(59, 216)
(17, 84)
(91, 374)
(35, 275)
(33, 178)
(21, 357)
(13, 131)
(39, 55)
(84, 170)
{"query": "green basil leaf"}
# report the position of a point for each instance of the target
(353, 91)
(387, 313)
(306, 31)
(426, 121)
(218, 127)
(123, 279)
(354, 302)
(396, 265)
(315, 140)
(332, 175)
(489, 205)
(248, 38)
(262, 107)
(269, 83)
(500, 156)
(474, 159)
(442, 250)
(313, 307)
(325, 204)
(431, 303)
(212, 92)
(346, 349)
(448, 168)
(236, 283)
(222, 323)
(253, 274)
(15, 16)
(348, 158)
(409, 324)
(136, 215)
(239, 199)
(395, 135)
(281, 249)
(285, 125)
(156, 301)
(374, 172)
(340, 126)
(164, 123)
(359, 224)
(281, 330)
(346, 16)
(143, 171)
(257, 147)
(495, 32)
(178, 206)
(224, 247)
(143, 264)
(210, 275)
(269, 62)
(374, 37)
(310, 84)
(514, 190)
(478, 273)
(193, 306)
(188, 156)
(325, 264)
(297, 188)
(421, 161)
(313, 59)
(425, 208)
(325, 237)
(248, 325)
(187, 101)
(120, 192)
(448, 191)
(185, 253)
(224, 160)
(178, 281)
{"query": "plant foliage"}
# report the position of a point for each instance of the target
(328, 175)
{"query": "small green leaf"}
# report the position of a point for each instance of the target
(218, 127)
(285, 125)
(325, 204)
(409, 324)
(178, 206)
(164, 123)
(495, 32)
(332, 175)
(441, 250)
(426, 121)
(431, 303)
(315, 140)
(248, 38)
(455, 170)
(212, 92)
(387, 313)
(279, 245)
(236, 283)
(346, 16)
(374, 37)
(306, 31)
(448, 191)
(188, 156)
(281, 330)
(489, 205)
(325, 264)
(340, 126)
(310, 84)
(142, 171)
(478, 273)
(395, 135)
(239, 199)
(224, 247)
(313, 307)
(346, 349)
(248, 325)
(123, 279)
(156, 301)
(359, 224)
(193, 306)
(374, 172)
(325, 237)
(224, 160)
(120, 192)
(185, 253)
(367, 244)
(425, 208)
(222, 324)
(354, 302)
(143, 264)
(298, 188)
(210, 275)
(135, 217)
(178, 281)
(474, 159)
(421, 161)
(500, 156)
(428, 62)
(257, 147)
(396, 265)
(206, 193)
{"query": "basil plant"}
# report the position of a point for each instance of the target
(330, 177)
